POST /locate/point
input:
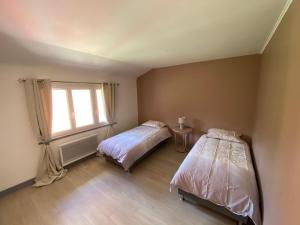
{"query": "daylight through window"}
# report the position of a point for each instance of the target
(76, 107)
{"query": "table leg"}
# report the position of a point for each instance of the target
(185, 147)
(175, 139)
(187, 142)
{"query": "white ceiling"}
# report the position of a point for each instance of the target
(135, 35)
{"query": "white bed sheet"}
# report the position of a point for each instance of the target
(222, 172)
(129, 146)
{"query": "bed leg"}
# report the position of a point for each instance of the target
(181, 198)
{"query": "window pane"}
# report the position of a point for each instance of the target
(101, 110)
(82, 107)
(60, 110)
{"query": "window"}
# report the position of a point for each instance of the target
(83, 110)
(76, 107)
(61, 114)
(100, 104)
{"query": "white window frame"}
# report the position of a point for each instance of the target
(79, 86)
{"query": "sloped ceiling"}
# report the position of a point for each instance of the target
(133, 36)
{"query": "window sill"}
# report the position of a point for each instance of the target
(79, 132)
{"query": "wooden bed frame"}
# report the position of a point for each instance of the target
(241, 220)
(148, 153)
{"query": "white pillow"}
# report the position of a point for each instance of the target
(153, 123)
(228, 135)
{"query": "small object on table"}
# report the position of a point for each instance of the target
(181, 121)
(184, 133)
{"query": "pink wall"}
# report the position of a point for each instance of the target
(220, 93)
(276, 139)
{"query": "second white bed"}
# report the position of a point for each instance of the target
(221, 172)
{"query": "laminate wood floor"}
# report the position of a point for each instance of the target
(96, 192)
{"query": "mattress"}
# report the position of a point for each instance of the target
(129, 146)
(221, 171)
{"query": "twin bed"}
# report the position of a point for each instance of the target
(217, 173)
(129, 147)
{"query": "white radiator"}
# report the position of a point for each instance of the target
(78, 149)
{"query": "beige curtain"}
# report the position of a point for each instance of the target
(109, 98)
(39, 101)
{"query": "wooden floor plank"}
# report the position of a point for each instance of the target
(96, 192)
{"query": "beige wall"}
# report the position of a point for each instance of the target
(19, 152)
(219, 93)
(276, 139)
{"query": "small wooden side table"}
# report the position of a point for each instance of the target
(184, 133)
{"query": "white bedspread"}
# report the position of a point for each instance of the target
(129, 146)
(221, 172)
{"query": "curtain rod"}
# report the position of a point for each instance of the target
(72, 82)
